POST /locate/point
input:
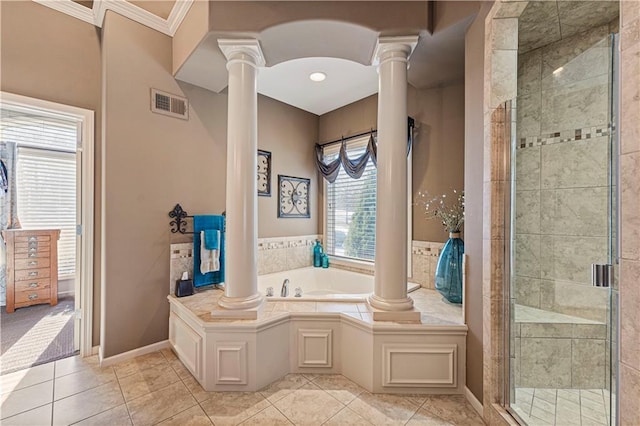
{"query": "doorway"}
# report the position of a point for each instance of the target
(47, 222)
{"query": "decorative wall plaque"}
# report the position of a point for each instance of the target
(264, 173)
(293, 196)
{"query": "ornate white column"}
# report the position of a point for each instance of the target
(390, 293)
(241, 275)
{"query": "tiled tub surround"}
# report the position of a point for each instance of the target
(285, 253)
(562, 161)
(424, 259)
(321, 338)
(274, 255)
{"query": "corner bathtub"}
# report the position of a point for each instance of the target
(320, 284)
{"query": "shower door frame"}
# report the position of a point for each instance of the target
(508, 168)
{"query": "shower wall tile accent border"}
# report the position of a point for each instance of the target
(564, 136)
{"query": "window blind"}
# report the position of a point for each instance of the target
(351, 209)
(45, 176)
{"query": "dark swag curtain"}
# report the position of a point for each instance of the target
(353, 167)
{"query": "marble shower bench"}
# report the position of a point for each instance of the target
(554, 350)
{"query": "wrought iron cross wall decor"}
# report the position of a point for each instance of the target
(264, 173)
(293, 197)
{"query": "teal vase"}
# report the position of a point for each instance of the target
(449, 269)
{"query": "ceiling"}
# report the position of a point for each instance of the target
(346, 82)
(342, 50)
(544, 22)
(159, 8)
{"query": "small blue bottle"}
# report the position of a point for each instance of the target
(317, 254)
(325, 260)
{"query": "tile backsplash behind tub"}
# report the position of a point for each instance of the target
(284, 253)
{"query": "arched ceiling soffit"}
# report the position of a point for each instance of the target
(383, 17)
(317, 38)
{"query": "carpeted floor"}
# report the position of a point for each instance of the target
(36, 335)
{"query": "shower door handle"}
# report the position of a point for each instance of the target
(601, 274)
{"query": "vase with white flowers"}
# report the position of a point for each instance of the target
(450, 211)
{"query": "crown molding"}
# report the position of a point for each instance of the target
(70, 8)
(99, 10)
(135, 13)
(96, 16)
(177, 15)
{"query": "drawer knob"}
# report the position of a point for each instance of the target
(33, 262)
(32, 238)
(32, 248)
(33, 274)
(32, 255)
(33, 296)
(33, 285)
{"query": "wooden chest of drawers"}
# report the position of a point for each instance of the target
(32, 267)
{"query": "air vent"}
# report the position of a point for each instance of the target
(168, 104)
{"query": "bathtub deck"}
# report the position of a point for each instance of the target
(434, 311)
(318, 337)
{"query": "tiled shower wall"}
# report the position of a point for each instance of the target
(282, 254)
(562, 142)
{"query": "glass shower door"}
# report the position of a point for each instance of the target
(563, 221)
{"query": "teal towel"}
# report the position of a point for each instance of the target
(211, 239)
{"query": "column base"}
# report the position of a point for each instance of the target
(238, 307)
(393, 309)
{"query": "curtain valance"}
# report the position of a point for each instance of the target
(353, 167)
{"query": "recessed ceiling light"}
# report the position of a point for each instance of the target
(317, 76)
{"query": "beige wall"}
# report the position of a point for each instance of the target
(290, 135)
(153, 161)
(190, 33)
(41, 61)
(438, 156)
(473, 185)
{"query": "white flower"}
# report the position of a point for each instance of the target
(452, 216)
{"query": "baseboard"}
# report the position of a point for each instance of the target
(95, 350)
(125, 356)
(473, 401)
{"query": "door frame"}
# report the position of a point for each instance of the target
(84, 210)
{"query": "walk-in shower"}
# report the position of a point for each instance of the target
(562, 206)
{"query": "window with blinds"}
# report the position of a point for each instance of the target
(46, 176)
(351, 208)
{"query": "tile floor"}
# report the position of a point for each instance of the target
(563, 407)
(157, 389)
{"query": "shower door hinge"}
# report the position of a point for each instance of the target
(601, 274)
(78, 229)
(78, 314)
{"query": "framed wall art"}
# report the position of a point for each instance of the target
(293, 197)
(264, 173)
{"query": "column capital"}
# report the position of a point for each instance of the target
(399, 47)
(244, 50)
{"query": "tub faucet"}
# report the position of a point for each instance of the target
(285, 288)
